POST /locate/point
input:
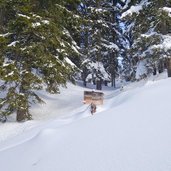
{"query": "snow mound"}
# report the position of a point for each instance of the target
(130, 132)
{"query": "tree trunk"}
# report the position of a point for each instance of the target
(84, 83)
(161, 66)
(2, 18)
(99, 85)
(105, 82)
(114, 81)
(22, 108)
(112, 70)
(84, 76)
(98, 53)
(154, 71)
(113, 54)
(169, 67)
(21, 115)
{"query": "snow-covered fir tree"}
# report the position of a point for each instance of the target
(36, 46)
(100, 41)
(147, 29)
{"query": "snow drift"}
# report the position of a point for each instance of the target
(131, 132)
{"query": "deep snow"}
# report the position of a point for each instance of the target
(130, 132)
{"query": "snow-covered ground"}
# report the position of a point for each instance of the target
(130, 132)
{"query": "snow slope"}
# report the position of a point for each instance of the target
(131, 132)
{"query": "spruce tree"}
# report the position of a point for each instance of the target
(100, 42)
(35, 49)
(147, 30)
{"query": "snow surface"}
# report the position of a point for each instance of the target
(130, 132)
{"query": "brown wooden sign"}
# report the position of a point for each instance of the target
(93, 97)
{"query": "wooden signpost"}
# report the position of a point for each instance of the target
(93, 97)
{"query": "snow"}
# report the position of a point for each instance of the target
(75, 49)
(111, 46)
(73, 45)
(45, 22)
(36, 16)
(13, 43)
(165, 45)
(25, 16)
(97, 10)
(168, 10)
(135, 8)
(5, 35)
(10, 74)
(6, 64)
(128, 28)
(98, 66)
(36, 24)
(130, 132)
(126, 4)
(149, 34)
(70, 62)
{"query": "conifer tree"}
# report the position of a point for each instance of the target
(147, 30)
(100, 42)
(35, 49)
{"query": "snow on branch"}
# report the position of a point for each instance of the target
(68, 12)
(111, 46)
(73, 43)
(36, 24)
(135, 9)
(5, 35)
(126, 4)
(98, 66)
(167, 9)
(149, 34)
(165, 45)
(13, 43)
(24, 16)
(97, 10)
(68, 61)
